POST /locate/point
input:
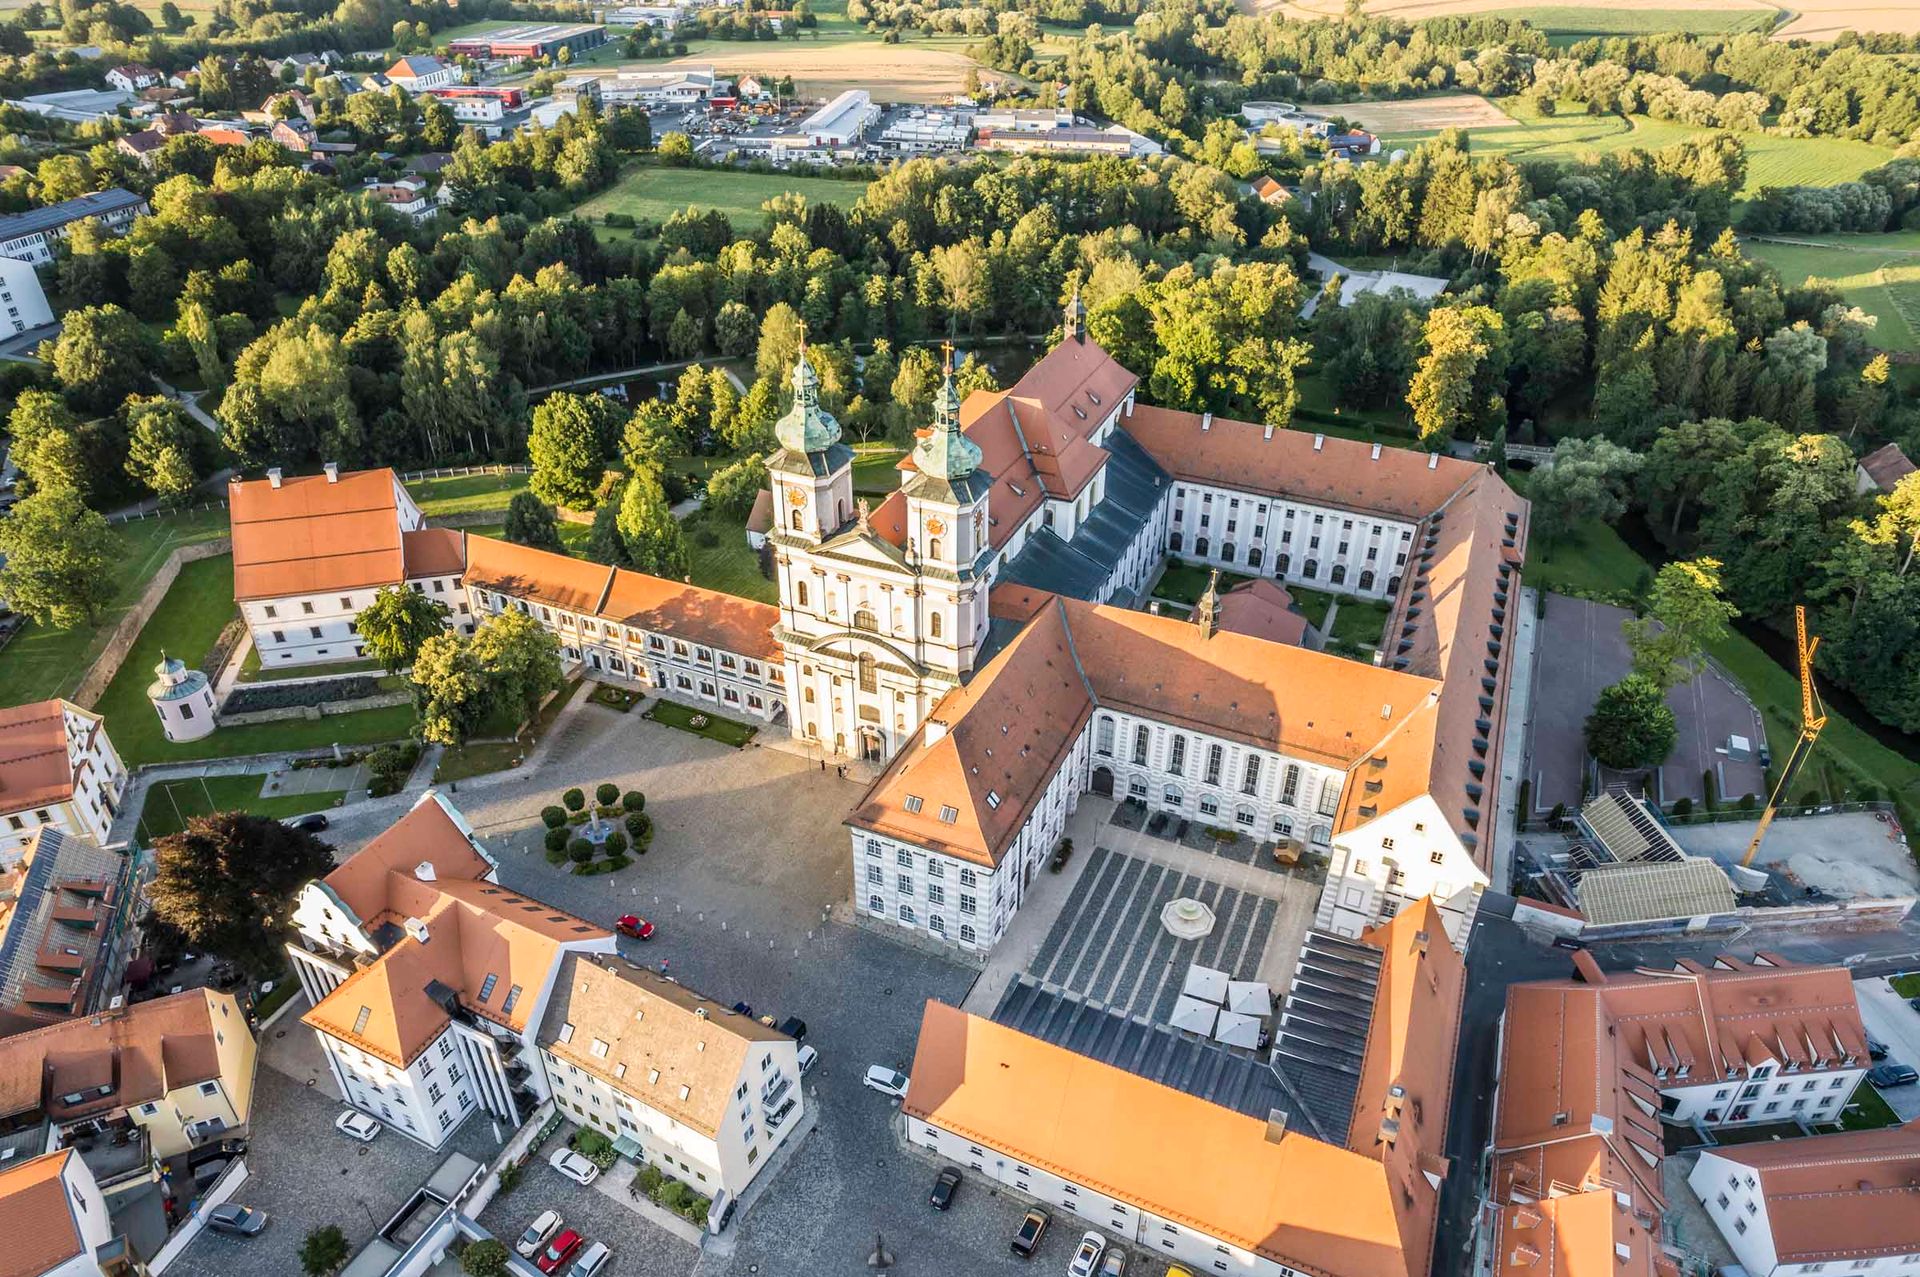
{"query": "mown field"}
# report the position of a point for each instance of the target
(1804, 19)
(1580, 22)
(655, 194)
(1878, 273)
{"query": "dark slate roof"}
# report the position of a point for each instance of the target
(1323, 1031)
(1080, 568)
(54, 216)
(1230, 1078)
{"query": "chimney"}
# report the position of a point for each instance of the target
(273, 476)
(1376, 453)
(1276, 1125)
(1433, 461)
(333, 472)
(424, 871)
(1206, 421)
(1267, 434)
(936, 731)
(1318, 439)
(1421, 940)
(417, 929)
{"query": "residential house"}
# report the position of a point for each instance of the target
(296, 134)
(67, 908)
(58, 769)
(407, 196)
(132, 77)
(22, 298)
(30, 236)
(57, 1223)
(417, 73)
(1881, 469)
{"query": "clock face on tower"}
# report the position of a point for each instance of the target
(936, 526)
(795, 497)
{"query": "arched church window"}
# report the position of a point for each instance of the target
(933, 624)
(869, 679)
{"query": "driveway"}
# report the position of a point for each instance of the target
(1892, 1021)
(639, 1248)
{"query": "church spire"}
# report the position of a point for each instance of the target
(944, 452)
(1076, 326)
(1206, 613)
(806, 427)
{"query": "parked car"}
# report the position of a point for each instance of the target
(592, 1262)
(886, 1081)
(945, 1185)
(1876, 1049)
(743, 1008)
(313, 822)
(559, 1251)
(1086, 1256)
(575, 1166)
(1026, 1239)
(357, 1125)
(1113, 1263)
(236, 1220)
(794, 1027)
(634, 926)
(544, 1225)
(1886, 1075)
(808, 1058)
(1914, 1003)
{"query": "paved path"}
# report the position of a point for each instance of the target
(1517, 740)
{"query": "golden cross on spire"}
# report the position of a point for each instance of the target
(946, 350)
(803, 335)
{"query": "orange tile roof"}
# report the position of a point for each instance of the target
(37, 1217)
(1400, 483)
(1576, 1235)
(1023, 710)
(34, 765)
(1262, 609)
(659, 1036)
(475, 929)
(427, 834)
(627, 598)
(311, 536)
(432, 552)
(149, 1049)
(1849, 1196)
(1362, 1211)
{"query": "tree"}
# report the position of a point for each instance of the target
(781, 333)
(530, 523)
(1631, 726)
(398, 623)
(569, 447)
(324, 1250)
(1456, 389)
(161, 446)
(453, 689)
(1587, 480)
(604, 542)
(651, 533)
(1682, 462)
(675, 150)
(228, 881)
(1685, 615)
(732, 489)
(485, 1259)
(520, 657)
(60, 559)
(102, 355)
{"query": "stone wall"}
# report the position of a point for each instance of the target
(313, 713)
(94, 682)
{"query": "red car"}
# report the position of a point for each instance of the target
(559, 1251)
(637, 927)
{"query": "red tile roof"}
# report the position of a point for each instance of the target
(1847, 1197)
(34, 765)
(312, 536)
(37, 1217)
(432, 552)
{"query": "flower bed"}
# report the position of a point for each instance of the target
(254, 697)
(664, 1191)
(615, 698)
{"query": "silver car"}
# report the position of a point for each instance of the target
(236, 1220)
(592, 1262)
(538, 1233)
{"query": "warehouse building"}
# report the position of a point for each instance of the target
(544, 40)
(841, 122)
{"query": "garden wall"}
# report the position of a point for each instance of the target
(312, 713)
(94, 682)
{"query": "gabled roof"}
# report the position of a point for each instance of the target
(36, 1217)
(1849, 1196)
(1886, 466)
(432, 552)
(649, 1037)
(428, 834)
(143, 1053)
(313, 534)
(35, 767)
(1262, 609)
(415, 64)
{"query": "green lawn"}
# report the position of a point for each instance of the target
(1907, 986)
(1878, 273)
(1359, 623)
(1568, 22)
(479, 758)
(170, 803)
(185, 625)
(876, 469)
(463, 494)
(1866, 1111)
(1313, 603)
(42, 661)
(1771, 160)
(1595, 561)
(729, 564)
(250, 671)
(1185, 582)
(713, 726)
(654, 194)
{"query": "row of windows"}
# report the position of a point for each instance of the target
(935, 923)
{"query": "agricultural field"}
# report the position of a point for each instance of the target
(1568, 23)
(1805, 19)
(1423, 117)
(916, 70)
(647, 193)
(1878, 273)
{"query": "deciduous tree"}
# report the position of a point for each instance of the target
(228, 881)
(530, 522)
(1631, 726)
(398, 623)
(60, 559)
(1686, 614)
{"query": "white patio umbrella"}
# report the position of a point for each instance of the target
(1237, 1030)
(1206, 984)
(1194, 1016)
(1249, 997)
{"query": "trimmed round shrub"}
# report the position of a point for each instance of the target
(579, 851)
(607, 794)
(1683, 806)
(616, 843)
(633, 800)
(557, 839)
(553, 817)
(638, 825)
(575, 800)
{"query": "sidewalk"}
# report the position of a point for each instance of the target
(1516, 742)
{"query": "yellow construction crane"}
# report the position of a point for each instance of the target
(1813, 717)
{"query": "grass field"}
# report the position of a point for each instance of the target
(42, 661)
(1771, 161)
(1878, 273)
(655, 194)
(713, 726)
(1579, 23)
(171, 803)
(730, 564)
(185, 625)
(876, 469)
(1867, 1110)
(463, 494)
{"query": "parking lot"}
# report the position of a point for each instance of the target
(1891, 1021)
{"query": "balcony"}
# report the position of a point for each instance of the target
(782, 1084)
(778, 1117)
(117, 1153)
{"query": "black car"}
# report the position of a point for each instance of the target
(311, 823)
(1886, 1075)
(1032, 1229)
(945, 1185)
(794, 1027)
(1876, 1049)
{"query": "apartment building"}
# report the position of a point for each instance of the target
(58, 770)
(429, 979)
(57, 1223)
(674, 1079)
(66, 929)
(22, 300)
(30, 236)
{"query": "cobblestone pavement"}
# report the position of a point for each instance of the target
(639, 1248)
(304, 1174)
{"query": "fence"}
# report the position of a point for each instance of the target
(166, 512)
(1722, 814)
(219, 1191)
(460, 472)
(94, 682)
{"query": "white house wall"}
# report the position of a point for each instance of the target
(1321, 547)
